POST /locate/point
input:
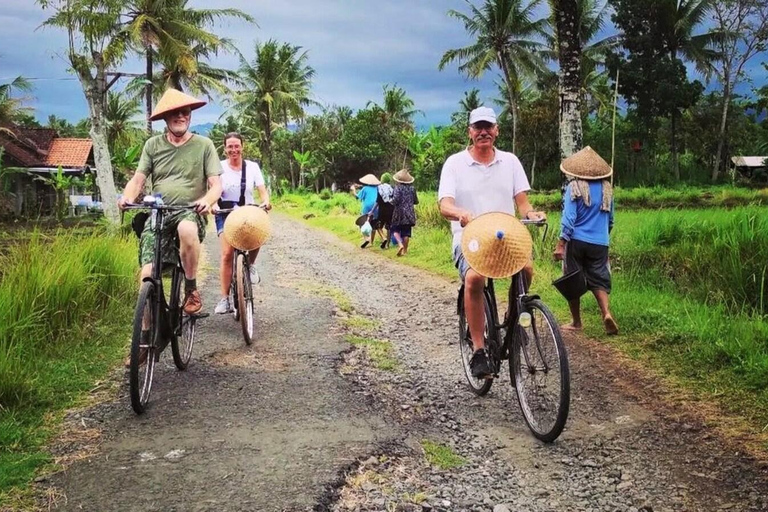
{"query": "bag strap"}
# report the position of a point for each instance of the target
(241, 201)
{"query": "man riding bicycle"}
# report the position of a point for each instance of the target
(239, 178)
(479, 180)
(184, 169)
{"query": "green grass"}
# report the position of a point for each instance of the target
(689, 291)
(441, 456)
(56, 292)
(380, 352)
(360, 323)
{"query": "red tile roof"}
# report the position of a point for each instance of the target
(68, 152)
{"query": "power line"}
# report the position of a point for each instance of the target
(37, 78)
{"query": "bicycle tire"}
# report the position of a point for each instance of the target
(184, 328)
(233, 292)
(547, 351)
(480, 387)
(141, 384)
(244, 298)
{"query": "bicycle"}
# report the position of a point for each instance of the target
(534, 347)
(242, 294)
(158, 321)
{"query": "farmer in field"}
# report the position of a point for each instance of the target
(479, 180)
(185, 169)
(585, 227)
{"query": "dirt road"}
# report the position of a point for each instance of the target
(299, 421)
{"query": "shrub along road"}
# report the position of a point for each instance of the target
(299, 421)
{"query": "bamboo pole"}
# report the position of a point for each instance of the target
(613, 128)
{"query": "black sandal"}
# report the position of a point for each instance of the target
(383, 244)
(365, 244)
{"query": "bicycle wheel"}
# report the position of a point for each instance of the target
(478, 386)
(183, 337)
(539, 370)
(245, 298)
(233, 292)
(145, 329)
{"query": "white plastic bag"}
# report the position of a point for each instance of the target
(366, 229)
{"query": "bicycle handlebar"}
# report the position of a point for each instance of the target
(150, 206)
(531, 222)
(230, 210)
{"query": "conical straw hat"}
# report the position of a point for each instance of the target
(587, 165)
(174, 100)
(247, 228)
(370, 179)
(496, 245)
(403, 176)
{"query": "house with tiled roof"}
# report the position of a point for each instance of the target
(41, 152)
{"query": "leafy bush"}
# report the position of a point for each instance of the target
(325, 194)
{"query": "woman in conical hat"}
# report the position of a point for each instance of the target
(404, 214)
(367, 196)
(586, 224)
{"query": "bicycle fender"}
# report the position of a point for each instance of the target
(460, 300)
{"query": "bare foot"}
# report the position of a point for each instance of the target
(611, 327)
(571, 328)
(401, 251)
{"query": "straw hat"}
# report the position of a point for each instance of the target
(370, 179)
(587, 165)
(403, 176)
(496, 245)
(247, 228)
(174, 100)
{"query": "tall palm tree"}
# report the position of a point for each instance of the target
(680, 19)
(398, 108)
(11, 107)
(275, 84)
(467, 104)
(569, 44)
(506, 36)
(173, 28)
(122, 112)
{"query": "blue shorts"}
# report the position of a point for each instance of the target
(220, 218)
(405, 230)
(460, 262)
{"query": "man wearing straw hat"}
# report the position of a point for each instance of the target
(585, 227)
(475, 181)
(184, 168)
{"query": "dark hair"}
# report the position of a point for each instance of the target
(233, 135)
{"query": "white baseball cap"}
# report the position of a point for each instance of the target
(482, 114)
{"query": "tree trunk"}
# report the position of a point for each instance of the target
(569, 55)
(148, 93)
(513, 108)
(675, 163)
(533, 167)
(723, 125)
(511, 95)
(95, 94)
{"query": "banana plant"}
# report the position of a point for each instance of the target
(61, 184)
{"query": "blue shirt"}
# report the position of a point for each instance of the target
(368, 195)
(587, 224)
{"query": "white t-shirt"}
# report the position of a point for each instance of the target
(481, 188)
(230, 181)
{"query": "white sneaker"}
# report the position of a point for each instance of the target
(255, 278)
(223, 306)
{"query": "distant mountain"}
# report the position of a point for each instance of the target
(202, 129)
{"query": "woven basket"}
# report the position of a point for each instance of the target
(496, 245)
(247, 228)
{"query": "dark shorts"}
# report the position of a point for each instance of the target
(592, 259)
(460, 263)
(405, 230)
(220, 218)
(169, 249)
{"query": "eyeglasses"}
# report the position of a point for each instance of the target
(184, 112)
(482, 125)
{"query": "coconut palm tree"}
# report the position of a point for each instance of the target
(174, 29)
(276, 84)
(122, 112)
(397, 107)
(506, 36)
(10, 106)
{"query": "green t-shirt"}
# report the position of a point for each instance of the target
(180, 173)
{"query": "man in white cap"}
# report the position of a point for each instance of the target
(184, 168)
(479, 180)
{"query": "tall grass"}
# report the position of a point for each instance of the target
(720, 258)
(65, 301)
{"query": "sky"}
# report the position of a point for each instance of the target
(355, 47)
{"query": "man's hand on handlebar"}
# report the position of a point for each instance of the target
(536, 216)
(266, 205)
(201, 206)
(123, 201)
(464, 217)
